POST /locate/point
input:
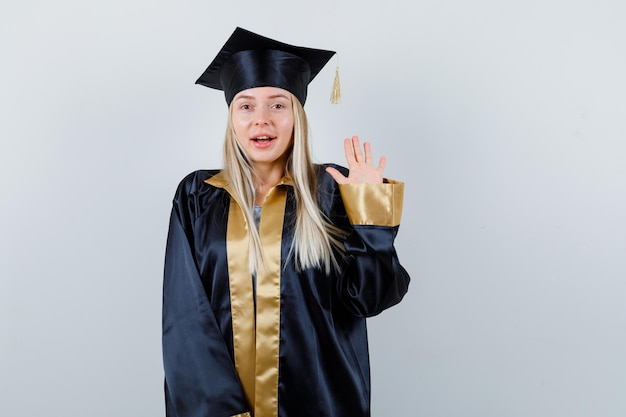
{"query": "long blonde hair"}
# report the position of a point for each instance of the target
(315, 237)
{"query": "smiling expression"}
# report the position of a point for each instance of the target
(263, 121)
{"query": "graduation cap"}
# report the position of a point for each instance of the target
(249, 60)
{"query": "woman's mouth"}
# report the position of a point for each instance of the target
(263, 139)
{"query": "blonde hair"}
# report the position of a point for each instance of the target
(315, 237)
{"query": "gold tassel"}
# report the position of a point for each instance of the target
(335, 96)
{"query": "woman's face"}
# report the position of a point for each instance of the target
(263, 121)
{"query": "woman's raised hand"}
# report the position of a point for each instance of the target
(360, 164)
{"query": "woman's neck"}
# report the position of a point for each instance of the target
(265, 179)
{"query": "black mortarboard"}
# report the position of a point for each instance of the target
(248, 60)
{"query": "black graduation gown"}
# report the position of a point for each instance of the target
(303, 351)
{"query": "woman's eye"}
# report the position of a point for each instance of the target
(245, 107)
(279, 106)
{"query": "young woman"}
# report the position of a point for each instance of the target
(273, 263)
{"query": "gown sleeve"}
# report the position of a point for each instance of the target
(372, 279)
(200, 377)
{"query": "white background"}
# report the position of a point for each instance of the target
(506, 120)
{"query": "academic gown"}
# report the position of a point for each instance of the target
(290, 342)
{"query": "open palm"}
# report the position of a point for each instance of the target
(360, 164)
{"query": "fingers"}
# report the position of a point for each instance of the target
(352, 148)
(382, 163)
(337, 176)
(368, 153)
(349, 150)
(356, 148)
(354, 153)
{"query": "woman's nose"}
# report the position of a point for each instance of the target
(261, 117)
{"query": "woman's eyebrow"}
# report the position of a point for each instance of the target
(245, 97)
(279, 96)
(272, 97)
